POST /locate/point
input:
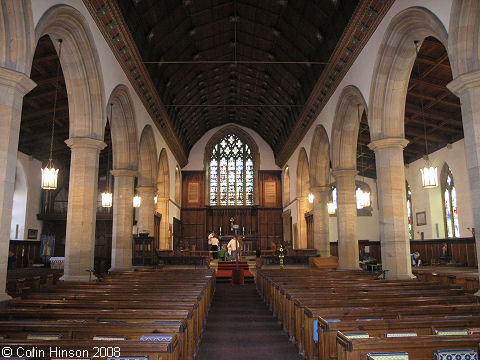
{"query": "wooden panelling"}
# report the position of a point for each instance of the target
(193, 228)
(193, 189)
(270, 188)
(270, 232)
(309, 221)
(460, 251)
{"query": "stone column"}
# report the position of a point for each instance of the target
(320, 220)
(147, 209)
(392, 200)
(82, 207)
(13, 87)
(467, 87)
(124, 181)
(346, 219)
(162, 208)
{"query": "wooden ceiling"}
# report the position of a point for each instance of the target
(258, 95)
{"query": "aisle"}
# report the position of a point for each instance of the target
(239, 326)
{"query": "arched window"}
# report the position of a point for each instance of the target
(411, 233)
(449, 195)
(360, 188)
(231, 172)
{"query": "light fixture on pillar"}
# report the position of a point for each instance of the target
(49, 173)
(310, 198)
(137, 201)
(107, 196)
(155, 199)
(429, 172)
(331, 208)
(363, 196)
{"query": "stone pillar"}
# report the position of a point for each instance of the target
(124, 181)
(13, 87)
(302, 208)
(346, 219)
(467, 87)
(392, 201)
(162, 208)
(82, 207)
(147, 209)
(320, 219)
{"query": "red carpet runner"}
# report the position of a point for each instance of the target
(224, 272)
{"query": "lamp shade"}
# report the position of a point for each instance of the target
(49, 177)
(429, 177)
(106, 199)
(137, 201)
(155, 199)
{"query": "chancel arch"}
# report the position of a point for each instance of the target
(163, 200)
(303, 205)
(320, 189)
(286, 186)
(346, 123)
(86, 99)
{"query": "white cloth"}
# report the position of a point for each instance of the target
(232, 245)
(210, 239)
(214, 241)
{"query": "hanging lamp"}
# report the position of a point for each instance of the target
(429, 172)
(331, 206)
(49, 173)
(362, 196)
(137, 201)
(107, 196)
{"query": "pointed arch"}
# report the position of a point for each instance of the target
(147, 159)
(17, 41)
(350, 106)
(163, 201)
(124, 133)
(286, 185)
(178, 184)
(80, 65)
(393, 67)
(302, 188)
(320, 158)
(163, 177)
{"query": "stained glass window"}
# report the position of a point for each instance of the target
(411, 233)
(231, 181)
(450, 204)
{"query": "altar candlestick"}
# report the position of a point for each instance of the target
(243, 230)
(220, 230)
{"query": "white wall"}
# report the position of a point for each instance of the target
(430, 200)
(195, 159)
(26, 216)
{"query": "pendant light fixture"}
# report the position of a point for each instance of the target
(107, 196)
(363, 197)
(310, 198)
(137, 201)
(49, 173)
(332, 204)
(429, 172)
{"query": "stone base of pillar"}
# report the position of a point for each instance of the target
(4, 297)
(82, 278)
(400, 277)
(119, 269)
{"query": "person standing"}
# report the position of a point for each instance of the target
(232, 248)
(214, 246)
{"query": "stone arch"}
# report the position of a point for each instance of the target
(163, 200)
(303, 189)
(178, 185)
(246, 138)
(80, 66)
(393, 67)
(320, 158)
(350, 106)
(147, 159)
(124, 133)
(17, 41)
(463, 37)
(19, 208)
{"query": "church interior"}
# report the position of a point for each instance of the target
(240, 179)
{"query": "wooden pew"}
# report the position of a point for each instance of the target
(418, 348)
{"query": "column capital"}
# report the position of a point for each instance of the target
(123, 172)
(318, 189)
(17, 80)
(344, 172)
(147, 189)
(388, 143)
(85, 143)
(464, 82)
